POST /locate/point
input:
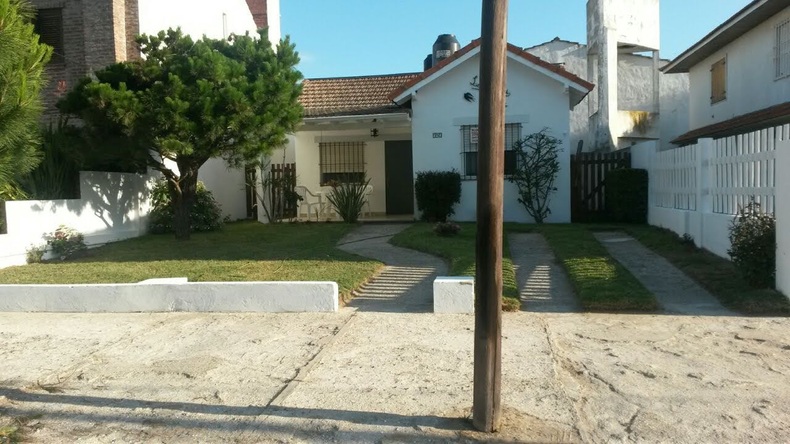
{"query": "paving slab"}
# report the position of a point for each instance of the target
(676, 292)
(544, 285)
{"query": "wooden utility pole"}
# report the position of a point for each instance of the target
(487, 410)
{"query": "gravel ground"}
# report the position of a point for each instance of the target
(391, 377)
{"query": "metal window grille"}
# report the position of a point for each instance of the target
(718, 81)
(342, 162)
(782, 49)
(469, 148)
(48, 25)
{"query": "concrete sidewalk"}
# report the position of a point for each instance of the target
(391, 377)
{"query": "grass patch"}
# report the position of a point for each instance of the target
(245, 251)
(601, 283)
(715, 274)
(459, 251)
(10, 435)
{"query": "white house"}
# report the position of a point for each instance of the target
(739, 73)
(392, 127)
(738, 144)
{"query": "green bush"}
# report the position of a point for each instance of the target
(753, 245)
(626, 195)
(35, 253)
(348, 198)
(437, 192)
(446, 229)
(206, 214)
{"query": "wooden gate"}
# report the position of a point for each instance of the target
(283, 181)
(588, 179)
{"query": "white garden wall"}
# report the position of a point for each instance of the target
(113, 206)
(698, 189)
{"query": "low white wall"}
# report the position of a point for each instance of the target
(113, 206)
(227, 185)
(709, 230)
(271, 297)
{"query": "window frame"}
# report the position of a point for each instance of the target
(782, 49)
(469, 149)
(54, 33)
(720, 94)
(342, 162)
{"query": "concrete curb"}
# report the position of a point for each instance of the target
(269, 297)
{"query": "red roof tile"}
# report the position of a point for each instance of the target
(343, 96)
(557, 69)
(764, 118)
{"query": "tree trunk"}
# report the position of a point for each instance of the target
(182, 196)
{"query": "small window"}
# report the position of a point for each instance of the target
(342, 162)
(782, 49)
(49, 26)
(718, 81)
(469, 149)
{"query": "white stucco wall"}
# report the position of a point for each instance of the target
(635, 90)
(536, 101)
(751, 83)
(634, 22)
(307, 158)
(197, 17)
(227, 185)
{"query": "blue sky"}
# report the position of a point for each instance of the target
(363, 37)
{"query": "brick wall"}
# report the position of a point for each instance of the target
(96, 33)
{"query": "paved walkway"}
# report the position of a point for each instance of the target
(676, 292)
(544, 285)
(405, 284)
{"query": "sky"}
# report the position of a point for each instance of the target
(338, 38)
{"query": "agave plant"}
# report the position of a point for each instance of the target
(348, 198)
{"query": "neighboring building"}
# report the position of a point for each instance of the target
(632, 102)
(739, 73)
(391, 127)
(86, 36)
(634, 94)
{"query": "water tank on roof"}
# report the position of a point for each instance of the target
(444, 46)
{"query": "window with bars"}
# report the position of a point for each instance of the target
(469, 149)
(782, 49)
(718, 81)
(48, 25)
(342, 162)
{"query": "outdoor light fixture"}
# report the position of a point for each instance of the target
(374, 132)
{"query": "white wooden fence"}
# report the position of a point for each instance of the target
(698, 189)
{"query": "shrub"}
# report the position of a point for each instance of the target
(65, 242)
(510, 304)
(206, 214)
(447, 229)
(626, 195)
(437, 192)
(537, 166)
(348, 198)
(753, 250)
(35, 253)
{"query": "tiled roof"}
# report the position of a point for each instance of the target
(764, 118)
(559, 70)
(345, 96)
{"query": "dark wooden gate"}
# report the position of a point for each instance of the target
(283, 181)
(588, 179)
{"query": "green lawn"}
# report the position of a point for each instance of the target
(459, 251)
(714, 273)
(246, 251)
(601, 283)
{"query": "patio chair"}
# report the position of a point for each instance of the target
(368, 192)
(310, 200)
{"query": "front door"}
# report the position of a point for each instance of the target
(399, 177)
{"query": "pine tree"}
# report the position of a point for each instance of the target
(189, 101)
(22, 60)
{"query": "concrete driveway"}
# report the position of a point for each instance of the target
(361, 376)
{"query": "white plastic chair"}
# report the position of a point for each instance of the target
(368, 192)
(310, 200)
